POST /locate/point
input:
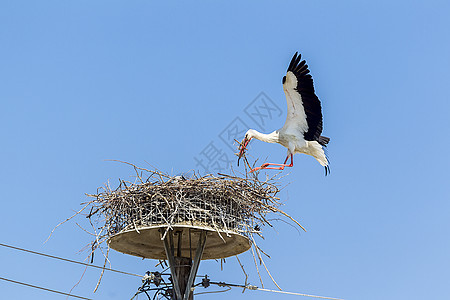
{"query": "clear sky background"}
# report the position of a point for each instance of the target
(155, 82)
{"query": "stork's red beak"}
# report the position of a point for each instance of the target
(242, 147)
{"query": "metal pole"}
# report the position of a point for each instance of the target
(168, 246)
(198, 256)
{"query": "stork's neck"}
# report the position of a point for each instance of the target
(268, 138)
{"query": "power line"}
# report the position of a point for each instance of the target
(298, 294)
(250, 287)
(213, 292)
(42, 288)
(255, 288)
(68, 260)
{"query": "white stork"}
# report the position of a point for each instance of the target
(303, 126)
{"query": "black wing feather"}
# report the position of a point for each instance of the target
(311, 103)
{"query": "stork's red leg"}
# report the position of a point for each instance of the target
(279, 166)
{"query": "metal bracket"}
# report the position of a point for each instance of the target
(170, 253)
(198, 256)
(168, 246)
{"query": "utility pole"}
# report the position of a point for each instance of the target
(183, 269)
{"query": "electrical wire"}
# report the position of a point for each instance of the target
(250, 287)
(255, 288)
(69, 260)
(42, 288)
(298, 294)
(213, 292)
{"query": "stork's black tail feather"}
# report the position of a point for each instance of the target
(323, 140)
(327, 170)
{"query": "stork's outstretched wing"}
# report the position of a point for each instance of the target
(304, 109)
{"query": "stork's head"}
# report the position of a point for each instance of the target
(243, 145)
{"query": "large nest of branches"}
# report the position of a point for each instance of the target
(222, 202)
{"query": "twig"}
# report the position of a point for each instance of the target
(66, 221)
(103, 271)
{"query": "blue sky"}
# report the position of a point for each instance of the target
(155, 82)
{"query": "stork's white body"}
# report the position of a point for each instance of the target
(293, 143)
(302, 129)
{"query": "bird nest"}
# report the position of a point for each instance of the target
(222, 202)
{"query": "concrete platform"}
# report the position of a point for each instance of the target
(147, 242)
